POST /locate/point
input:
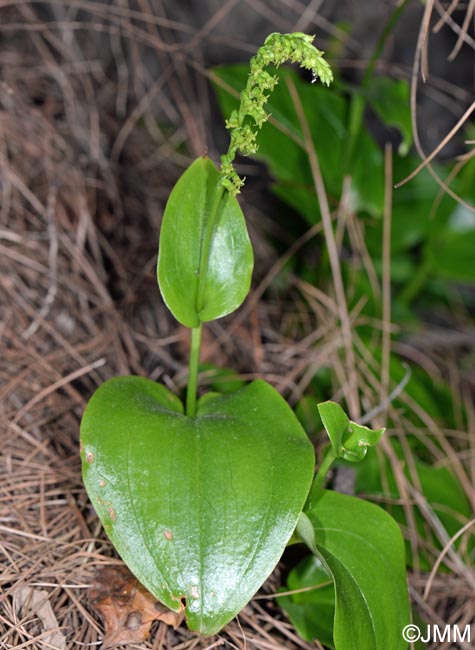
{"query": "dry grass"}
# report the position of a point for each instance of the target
(86, 164)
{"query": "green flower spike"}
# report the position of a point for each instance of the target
(244, 123)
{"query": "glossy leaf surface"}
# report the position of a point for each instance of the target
(204, 264)
(362, 548)
(200, 509)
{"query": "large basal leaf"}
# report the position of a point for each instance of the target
(200, 509)
(363, 549)
(196, 286)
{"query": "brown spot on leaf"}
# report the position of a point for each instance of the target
(168, 534)
(134, 621)
(102, 483)
(89, 456)
(111, 513)
(127, 607)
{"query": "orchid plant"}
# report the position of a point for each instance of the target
(201, 499)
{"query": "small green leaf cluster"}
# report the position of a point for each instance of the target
(242, 123)
(349, 439)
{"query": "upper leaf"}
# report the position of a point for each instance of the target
(200, 509)
(336, 424)
(362, 548)
(205, 261)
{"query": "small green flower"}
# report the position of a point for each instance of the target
(244, 123)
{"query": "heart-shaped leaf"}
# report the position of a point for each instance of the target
(363, 549)
(205, 260)
(200, 509)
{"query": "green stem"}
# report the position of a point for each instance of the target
(193, 370)
(321, 475)
(200, 295)
(195, 345)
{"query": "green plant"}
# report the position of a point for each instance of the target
(431, 241)
(200, 501)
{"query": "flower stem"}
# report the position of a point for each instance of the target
(245, 122)
(193, 370)
(321, 475)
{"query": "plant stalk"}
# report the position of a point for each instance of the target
(321, 475)
(203, 272)
(193, 370)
